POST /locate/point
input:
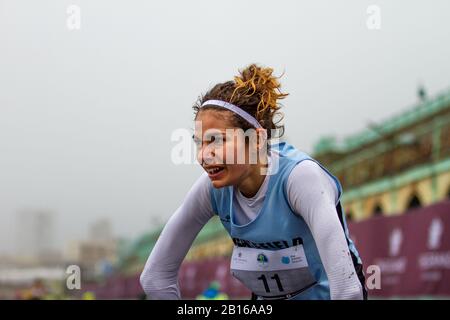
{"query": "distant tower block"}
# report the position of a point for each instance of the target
(101, 230)
(35, 233)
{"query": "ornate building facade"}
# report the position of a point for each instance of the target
(395, 166)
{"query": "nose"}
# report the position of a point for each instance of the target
(206, 155)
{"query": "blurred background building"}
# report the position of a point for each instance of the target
(35, 237)
(97, 254)
(39, 271)
(399, 164)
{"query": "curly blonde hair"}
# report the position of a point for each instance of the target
(255, 90)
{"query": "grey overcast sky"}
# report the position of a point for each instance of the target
(86, 115)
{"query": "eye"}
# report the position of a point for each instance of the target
(197, 141)
(218, 141)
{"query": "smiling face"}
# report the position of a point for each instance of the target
(222, 150)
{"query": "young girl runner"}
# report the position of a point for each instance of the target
(282, 210)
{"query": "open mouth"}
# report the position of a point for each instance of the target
(214, 172)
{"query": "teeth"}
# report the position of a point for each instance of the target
(214, 170)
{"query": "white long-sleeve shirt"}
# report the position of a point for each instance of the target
(312, 194)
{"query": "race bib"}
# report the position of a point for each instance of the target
(272, 274)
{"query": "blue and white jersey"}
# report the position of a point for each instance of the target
(275, 254)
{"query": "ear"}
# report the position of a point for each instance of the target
(262, 137)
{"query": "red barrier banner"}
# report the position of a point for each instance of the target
(412, 251)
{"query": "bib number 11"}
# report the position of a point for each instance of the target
(266, 285)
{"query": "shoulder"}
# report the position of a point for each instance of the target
(308, 178)
(307, 171)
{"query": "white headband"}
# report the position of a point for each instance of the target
(250, 119)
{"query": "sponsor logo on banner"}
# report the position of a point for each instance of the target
(394, 266)
(435, 232)
(395, 242)
(429, 262)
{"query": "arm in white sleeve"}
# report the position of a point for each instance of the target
(313, 194)
(160, 276)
